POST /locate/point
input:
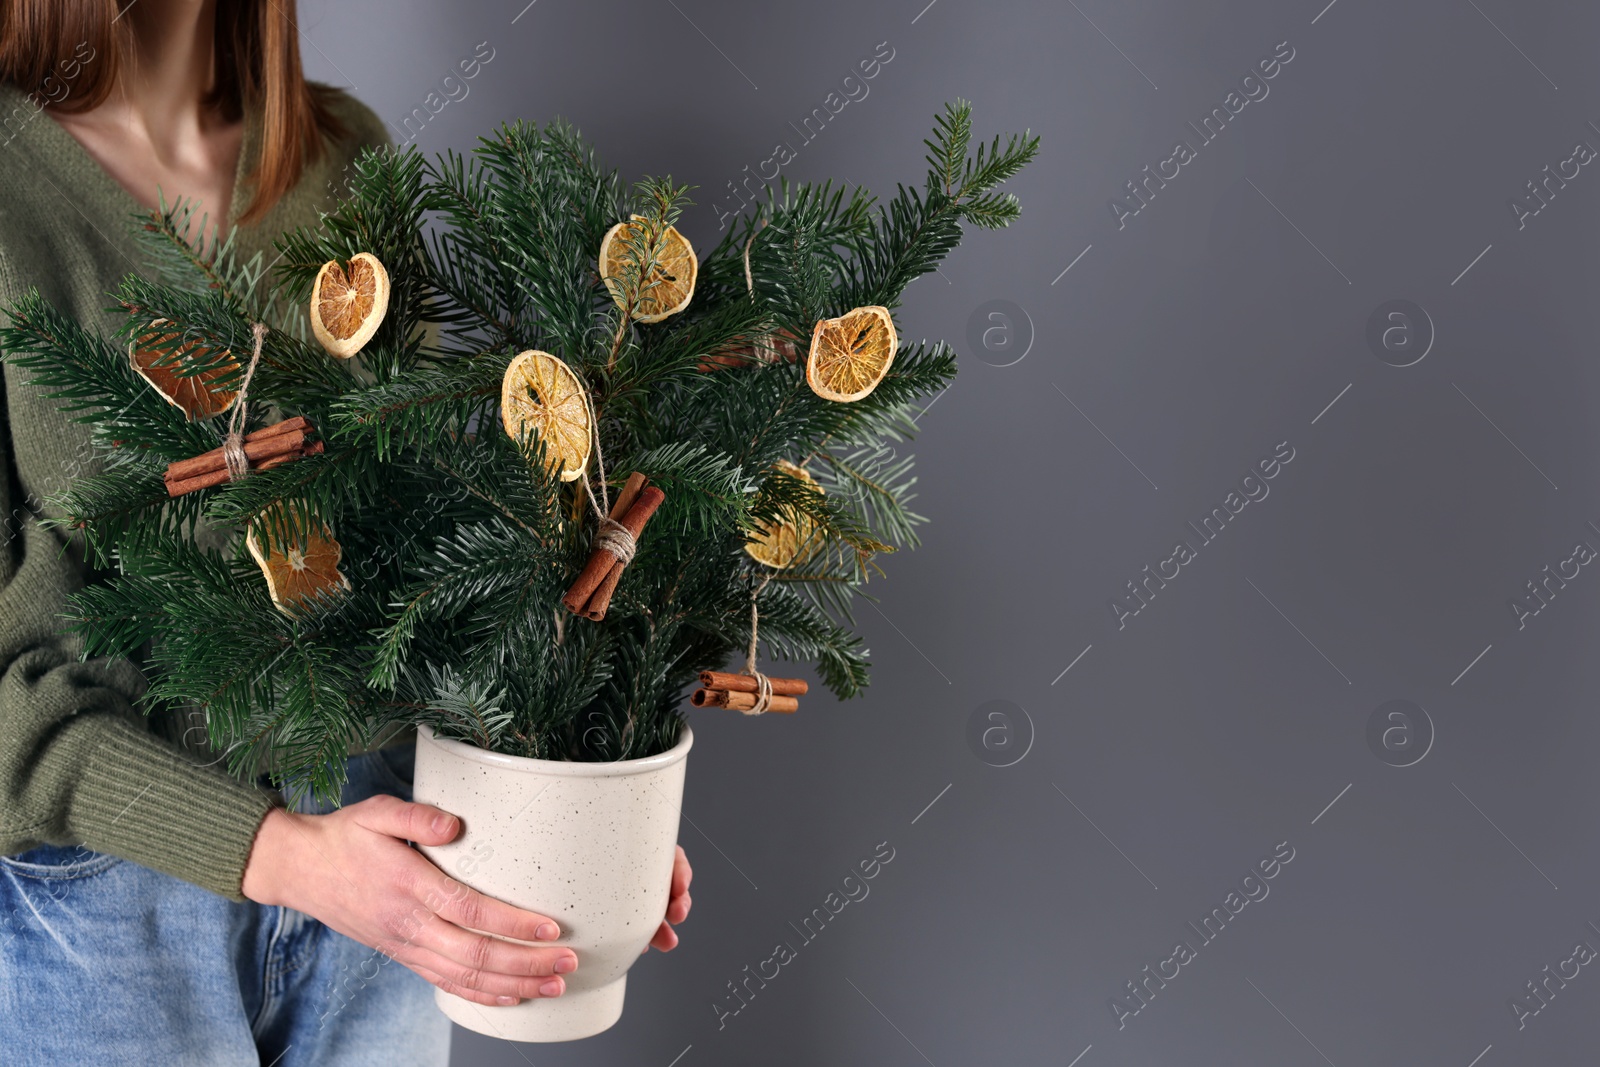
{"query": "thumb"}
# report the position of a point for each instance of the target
(422, 823)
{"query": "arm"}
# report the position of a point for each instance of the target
(77, 764)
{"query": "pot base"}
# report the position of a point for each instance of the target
(577, 1013)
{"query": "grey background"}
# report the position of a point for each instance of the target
(1229, 713)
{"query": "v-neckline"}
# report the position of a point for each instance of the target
(71, 151)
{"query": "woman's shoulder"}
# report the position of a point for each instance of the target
(361, 125)
(327, 176)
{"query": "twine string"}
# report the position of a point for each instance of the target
(749, 281)
(616, 539)
(610, 535)
(233, 456)
(763, 683)
(602, 504)
(766, 349)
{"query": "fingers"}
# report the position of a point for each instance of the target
(682, 873)
(467, 907)
(665, 939)
(463, 976)
(475, 954)
(467, 960)
(498, 990)
(678, 908)
(461, 991)
(450, 899)
(422, 823)
(462, 920)
(451, 925)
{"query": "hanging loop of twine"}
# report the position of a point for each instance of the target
(233, 456)
(749, 280)
(610, 534)
(602, 503)
(763, 683)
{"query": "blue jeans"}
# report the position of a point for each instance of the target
(103, 961)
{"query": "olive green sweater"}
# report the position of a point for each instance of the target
(79, 763)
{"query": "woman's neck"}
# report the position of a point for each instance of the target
(159, 94)
(154, 134)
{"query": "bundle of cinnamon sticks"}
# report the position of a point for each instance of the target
(775, 347)
(268, 447)
(740, 692)
(590, 595)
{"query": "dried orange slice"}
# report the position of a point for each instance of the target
(541, 392)
(787, 541)
(348, 302)
(851, 354)
(157, 362)
(668, 286)
(301, 572)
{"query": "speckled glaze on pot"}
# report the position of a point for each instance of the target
(588, 844)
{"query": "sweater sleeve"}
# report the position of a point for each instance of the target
(77, 764)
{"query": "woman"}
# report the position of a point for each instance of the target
(152, 908)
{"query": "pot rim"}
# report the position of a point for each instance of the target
(561, 768)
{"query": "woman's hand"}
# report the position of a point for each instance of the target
(666, 938)
(353, 870)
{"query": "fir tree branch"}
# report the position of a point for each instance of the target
(456, 537)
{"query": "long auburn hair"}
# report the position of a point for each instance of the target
(43, 45)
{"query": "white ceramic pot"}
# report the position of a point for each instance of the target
(589, 844)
